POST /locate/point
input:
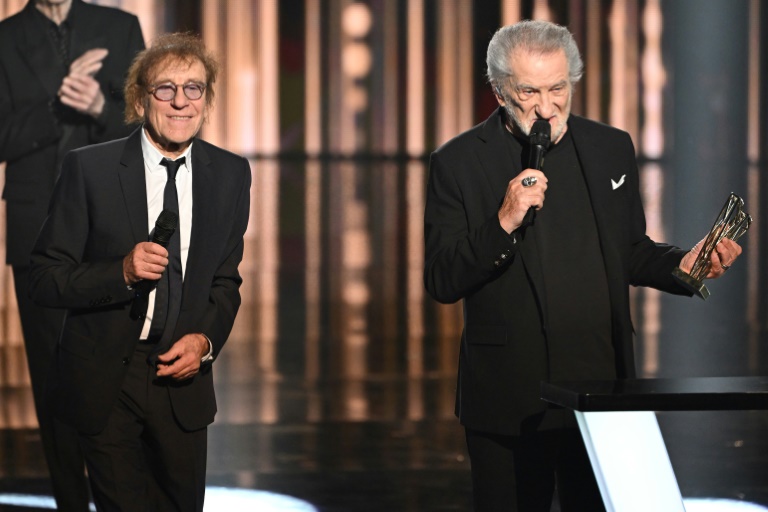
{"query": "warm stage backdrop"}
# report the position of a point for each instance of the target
(338, 103)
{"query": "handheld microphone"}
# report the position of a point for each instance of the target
(538, 140)
(165, 226)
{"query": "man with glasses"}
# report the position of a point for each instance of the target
(141, 247)
(62, 66)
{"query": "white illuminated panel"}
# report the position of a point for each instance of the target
(630, 461)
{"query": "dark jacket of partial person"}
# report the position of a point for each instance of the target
(33, 138)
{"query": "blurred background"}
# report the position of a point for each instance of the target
(337, 384)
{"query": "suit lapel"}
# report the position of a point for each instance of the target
(495, 156)
(593, 167)
(134, 187)
(37, 50)
(597, 178)
(495, 160)
(203, 223)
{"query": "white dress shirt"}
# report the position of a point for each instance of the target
(156, 176)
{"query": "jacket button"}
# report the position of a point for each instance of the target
(126, 361)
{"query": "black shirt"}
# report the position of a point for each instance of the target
(576, 289)
(59, 37)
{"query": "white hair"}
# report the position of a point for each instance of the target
(532, 36)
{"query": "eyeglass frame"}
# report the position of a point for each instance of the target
(152, 89)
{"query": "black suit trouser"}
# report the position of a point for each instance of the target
(521, 473)
(144, 460)
(41, 327)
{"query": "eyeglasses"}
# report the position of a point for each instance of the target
(167, 91)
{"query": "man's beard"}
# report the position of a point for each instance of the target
(515, 125)
(513, 122)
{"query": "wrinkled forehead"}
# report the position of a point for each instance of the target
(174, 67)
(537, 66)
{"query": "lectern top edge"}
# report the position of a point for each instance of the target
(686, 394)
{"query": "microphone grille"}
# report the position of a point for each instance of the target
(165, 226)
(541, 132)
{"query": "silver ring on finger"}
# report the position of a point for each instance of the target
(529, 181)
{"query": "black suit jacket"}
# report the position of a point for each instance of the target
(32, 141)
(468, 256)
(98, 214)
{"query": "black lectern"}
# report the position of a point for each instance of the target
(622, 436)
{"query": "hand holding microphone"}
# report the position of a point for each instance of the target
(144, 265)
(525, 193)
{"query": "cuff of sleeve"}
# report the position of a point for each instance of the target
(101, 121)
(506, 249)
(207, 358)
(55, 113)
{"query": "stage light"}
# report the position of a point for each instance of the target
(356, 60)
(356, 20)
(221, 499)
(217, 499)
(718, 505)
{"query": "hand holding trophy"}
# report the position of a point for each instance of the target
(732, 223)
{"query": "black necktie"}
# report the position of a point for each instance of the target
(168, 292)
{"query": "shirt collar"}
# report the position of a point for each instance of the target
(153, 157)
(47, 21)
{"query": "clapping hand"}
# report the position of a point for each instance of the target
(79, 89)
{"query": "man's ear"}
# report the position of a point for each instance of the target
(139, 106)
(207, 112)
(499, 96)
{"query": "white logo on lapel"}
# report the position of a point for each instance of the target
(616, 185)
